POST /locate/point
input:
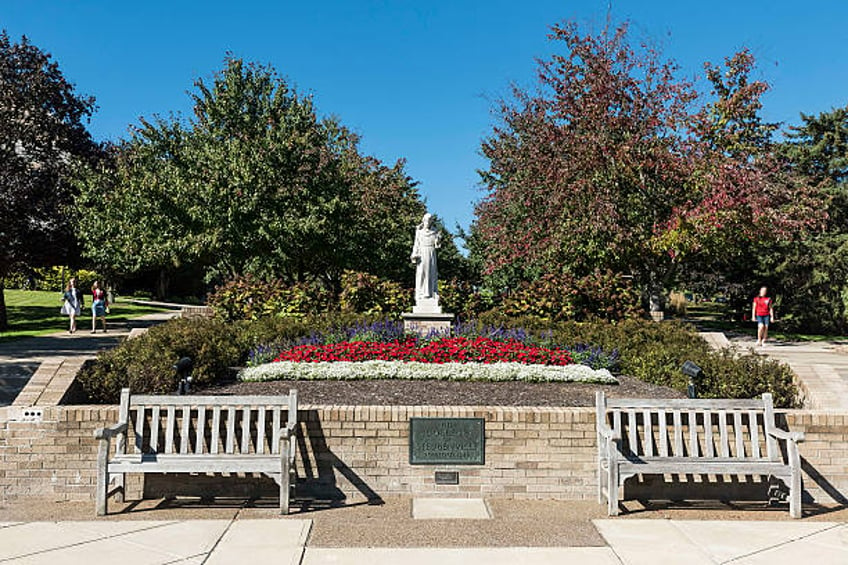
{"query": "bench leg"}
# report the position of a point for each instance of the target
(120, 485)
(795, 490)
(101, 489)
(284, 483)
(601, 477)
(612, 489)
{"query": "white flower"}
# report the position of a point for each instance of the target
(399, 370)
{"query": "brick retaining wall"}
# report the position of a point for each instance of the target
(362, 452)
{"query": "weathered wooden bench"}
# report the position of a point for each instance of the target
(199, 434)
(693, 437)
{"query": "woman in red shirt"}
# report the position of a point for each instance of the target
(762, 310)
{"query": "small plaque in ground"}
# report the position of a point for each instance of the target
(447, 441)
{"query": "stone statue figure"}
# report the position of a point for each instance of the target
(427, 240)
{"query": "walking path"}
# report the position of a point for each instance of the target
(822, 369)
(636, 542)
(20, 358)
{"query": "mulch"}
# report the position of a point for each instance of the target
(446, 393)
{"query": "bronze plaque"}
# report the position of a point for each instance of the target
(447, 441)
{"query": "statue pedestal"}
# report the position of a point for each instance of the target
(424, 323)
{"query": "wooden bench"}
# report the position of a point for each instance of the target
(693, 437)
(199, 434)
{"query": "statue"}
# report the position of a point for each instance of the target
(427, 240)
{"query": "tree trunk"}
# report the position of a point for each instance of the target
(4, 320)
(162, 284)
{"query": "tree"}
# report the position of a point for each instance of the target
(42, 139)
(605, 166)
(813, 270)
(255, 183)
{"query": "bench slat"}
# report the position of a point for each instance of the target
(260, 430)
(201, 430)
(754, 432)
(662, 424)
(694, 448)
(225, 401)
(123, 418)
(154, 428)
(216, 430)
(275, 442)
(632, 431)
(678, 434)
(737, 431)
(185, 439)
(648, 425)
(708, 433)
(139, 428)
(230, 446)
(170, 424)
(245, 430)
(707, 467)
(684, 403)
(722, 428)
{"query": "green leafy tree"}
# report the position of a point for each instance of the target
(254, 183)
(813, 271)
(42, 138)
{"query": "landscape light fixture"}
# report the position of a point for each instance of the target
(693, 372)
(183, 368)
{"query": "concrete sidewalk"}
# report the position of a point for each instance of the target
(642, 541)
(822, 368)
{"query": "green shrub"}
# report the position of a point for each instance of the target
(602, 295)
(145, 364)
(363, 293)
(251, 298)
(649, 351)
(463, 299)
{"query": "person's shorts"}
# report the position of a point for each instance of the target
(98, 308)
(763, 320)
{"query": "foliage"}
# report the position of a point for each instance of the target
(42, 137)
(51, 278)
(813, 271)
(254, 183)
(145, 364)
(600, 295)
(249, 298)
(472, 371)
(606, 166)
(363, 293)
(463, 298)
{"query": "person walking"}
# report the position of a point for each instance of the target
(73, 303)
(762, 310)
(99, 306)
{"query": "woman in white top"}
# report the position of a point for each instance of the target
(72, 303)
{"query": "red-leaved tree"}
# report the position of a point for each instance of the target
(609, 165)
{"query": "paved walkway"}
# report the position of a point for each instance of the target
(821, 366)
(20, 358)
(650, 542)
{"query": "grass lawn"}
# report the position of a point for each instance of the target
(36, 312)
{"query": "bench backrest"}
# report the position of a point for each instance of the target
(708, 428)
(205, 425)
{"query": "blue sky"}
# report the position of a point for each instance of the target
(416, 79)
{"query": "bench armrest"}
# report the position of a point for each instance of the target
(110, 432)
(287, 432)
(607, 432)
(794, 437)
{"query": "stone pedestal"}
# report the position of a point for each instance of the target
(657, 315)
(423, 323)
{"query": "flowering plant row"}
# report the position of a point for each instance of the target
(378, 369)
(445, 350)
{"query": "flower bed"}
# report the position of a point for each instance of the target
(446, 350)
(416, 370)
